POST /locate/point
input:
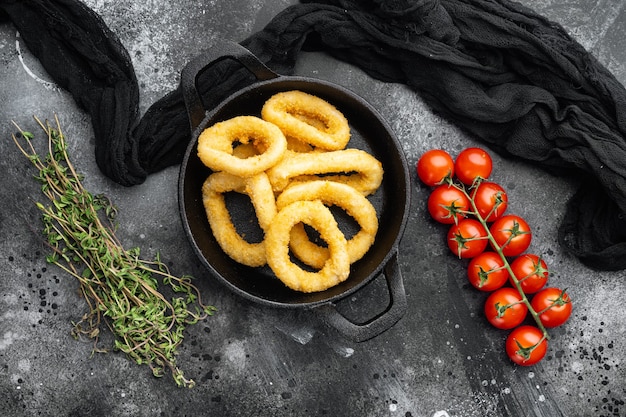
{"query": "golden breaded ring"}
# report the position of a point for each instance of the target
(330, 193)
(296, 145)
(245, 150)
(308, 119)
(353, 167)
(259, 189)
(336, 268)
(215, 145)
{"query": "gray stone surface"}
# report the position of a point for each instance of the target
(441, 359)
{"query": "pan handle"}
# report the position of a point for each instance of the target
(393, 313)
(222, 50)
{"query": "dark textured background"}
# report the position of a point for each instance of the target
(441, 359)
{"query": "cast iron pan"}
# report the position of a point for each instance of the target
(392, 200)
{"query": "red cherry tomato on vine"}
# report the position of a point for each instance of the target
(472, 163)
(526, 345)
(467, 239)
(447, 204)
(491, 200)
(553, 305)
(486, 272)
(531, 271)
(512, 234)
(434, 166)
(504, 308)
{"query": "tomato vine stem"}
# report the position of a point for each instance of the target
(498, 249)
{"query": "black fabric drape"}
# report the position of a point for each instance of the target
(505, 74)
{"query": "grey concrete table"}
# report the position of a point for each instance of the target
(441, 359)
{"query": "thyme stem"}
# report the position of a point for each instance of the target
(116, 283)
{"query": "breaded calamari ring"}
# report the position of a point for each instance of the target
(296, 145)
(259, 189)
(246, 150)
(314, 213)
(340, 195)
(215, 145)
(354, 167)
(308, 118)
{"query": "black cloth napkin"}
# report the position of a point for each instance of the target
(510, 77)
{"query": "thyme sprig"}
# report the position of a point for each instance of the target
(119, 287)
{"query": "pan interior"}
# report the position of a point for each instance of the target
(369, 133)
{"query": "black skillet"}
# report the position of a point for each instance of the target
(392, 200)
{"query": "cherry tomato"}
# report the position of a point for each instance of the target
(531, 271)
(467, 239)
(447, 204)
(491, 200)
(526, 345)
(434, 166)
(472, 163)
(512, 234)
(486, 272)
(504, 308)
(553, 306)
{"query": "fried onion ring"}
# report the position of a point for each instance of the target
(307, 118)
(259, 189)
(215, 145)
(353, 167)
(340, 195)
(314, 213)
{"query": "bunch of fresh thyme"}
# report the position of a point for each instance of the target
(115, 282)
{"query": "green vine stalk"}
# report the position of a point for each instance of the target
(498, 249)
